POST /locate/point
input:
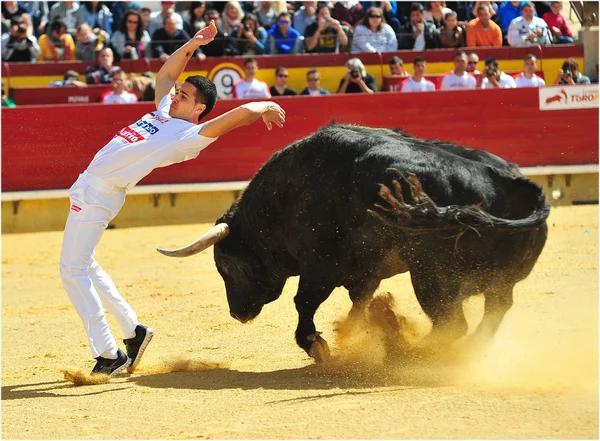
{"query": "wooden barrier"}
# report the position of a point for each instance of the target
(47, 148)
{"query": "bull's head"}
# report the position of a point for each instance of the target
(249, 282)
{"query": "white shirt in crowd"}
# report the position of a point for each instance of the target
(523, 81)
(155, 140)
(505, 81)
(519, 29)
(255, 89)
(156, 22)
(417, 86)
(452, 81)
(420, 40)
(123, 98)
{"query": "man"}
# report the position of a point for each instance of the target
(397, 67)
(250, 87)
(472, 61)
(280, 88)
(70, 78)
(494, 77)
(305, 16)
(17, 46)
(570, 75)
(528, 78)
(459, 78)
(168, 39)
(528, 30)
(171, 134)
(326, 34)
(418, 83)
(418, 34)
(157, 19)
(119, 95)
(482, 31)
(104, 69)
(313, 79)
(69, 11)
(558, 25)
(283, 38)
(56, 45)
(507, 12)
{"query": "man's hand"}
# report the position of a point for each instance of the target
(164, 57)
(539, 32)
(556, 31)
(206, 35)
(274, 114)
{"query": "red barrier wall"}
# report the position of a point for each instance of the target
(46, 148)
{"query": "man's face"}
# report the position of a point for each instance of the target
(451, 22)
(484, 16)
(314, 81)
(460, 63)
(184, 103)
(83, 35)
(324, 14)
(105, 58)
(281, 77)
(397, 69)
(118, 82)
(250, 69)
(556, 7)
(145, 16)
(472, 63)
(59, 33)
(170, 26)
(19, 31)
(284, 24)
(416, 17)
(528, 12)
(530, 66)
(168, 7)
(420, 67)
(310, 7)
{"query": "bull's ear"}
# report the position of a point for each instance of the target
(211, 237)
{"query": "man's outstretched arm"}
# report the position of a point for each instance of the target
(170, 71)
(244, 115)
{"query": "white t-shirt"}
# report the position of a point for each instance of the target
(123, 98)
(255, 89)
(155, 140)
(505, 81)
(452, 81)
(418, 86)
(523, 81)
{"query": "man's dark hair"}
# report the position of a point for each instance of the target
(416, 7)
(206, 93)
(529, 57)
(396, 60)
(17, 20)
(311, 71)
(71, 75)
(570, 64)
(118, 71)
(450, 14)
(57, 24)
(459, 53)
(279, 69)
(491, 60)
(482, 8)
(212, 12)
(419, 59)
(247, 61)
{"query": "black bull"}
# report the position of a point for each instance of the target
(350, 206)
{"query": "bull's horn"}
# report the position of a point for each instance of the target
(211, 237)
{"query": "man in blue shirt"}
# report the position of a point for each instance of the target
(284, 39)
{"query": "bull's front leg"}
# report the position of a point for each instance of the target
(308, 299)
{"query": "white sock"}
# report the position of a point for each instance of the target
(109, 355)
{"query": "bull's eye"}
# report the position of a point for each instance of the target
(225, 265)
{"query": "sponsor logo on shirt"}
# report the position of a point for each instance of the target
(158, 118)
(129, 135)
(152, 129)
(75, 208)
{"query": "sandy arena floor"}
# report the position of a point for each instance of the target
(207, 376)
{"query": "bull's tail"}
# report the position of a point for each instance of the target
(420, 214)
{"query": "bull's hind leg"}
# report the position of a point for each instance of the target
(498, 300)
(308, 299)
(361, 293)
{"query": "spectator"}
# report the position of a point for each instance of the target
(56, 45)
(71, 12)
(528, 30)
(88, 44)
(70, 78)
(418, 83)
(6, 100)
(221, 44)
(357, 80)
(250, 87)
(168, 39)
(397, 67)
(280, 87)
(570, 75)
(12, 9)
(482, 31)
(38, 12)
(389, 9)
(493, 9)
(459, 78)
(250, 37)
(305, 16)
(143, 86)
(493, 77)
(131, 41)
(195, 18)
(145, 14)
(557, 24)
(231, 17)
(17, 46)
(119, 95)
(283, 38)
(472, 60)
(350, 12)
(98, 16)
(373, 34)
(451, 34)
(103, 71)
(418, 34)
(118, 9)
(528, 78)
(157, 19)
(326, 34)
(313, 79)
(507, 12)
(435, 12)
(267, 14)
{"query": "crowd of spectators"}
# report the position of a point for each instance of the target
(107, 32)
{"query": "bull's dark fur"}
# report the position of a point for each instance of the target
(461, 221)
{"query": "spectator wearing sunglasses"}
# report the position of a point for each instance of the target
(326, 35)
(373, 34)
(280, 87)
(418, 34)
(472, 60)
(283, 38)
(313, 79)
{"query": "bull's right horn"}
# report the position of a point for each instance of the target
(211, 237)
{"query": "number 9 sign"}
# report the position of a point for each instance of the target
(224, 76)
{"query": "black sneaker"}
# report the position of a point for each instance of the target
(137, 345)
(111, 367)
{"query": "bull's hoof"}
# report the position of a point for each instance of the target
(319, 349)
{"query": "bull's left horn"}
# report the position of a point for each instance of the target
(211, 237)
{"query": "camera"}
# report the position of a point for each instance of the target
(567, 74)
(246, 27)
(490, 70)
(354, 73)
(22, 29)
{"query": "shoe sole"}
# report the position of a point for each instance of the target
(121, 368)
(134, 363)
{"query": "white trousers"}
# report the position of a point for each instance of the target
(94, 203)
